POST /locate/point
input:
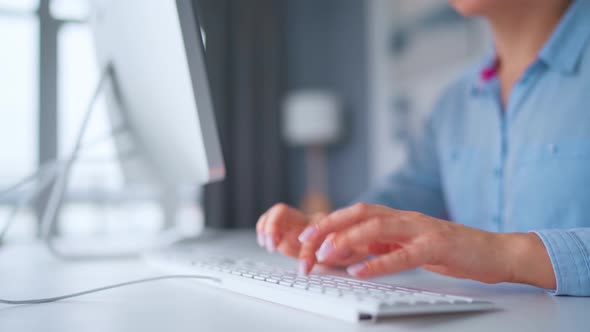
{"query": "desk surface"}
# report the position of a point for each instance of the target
(28, 271)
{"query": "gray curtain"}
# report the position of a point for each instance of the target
(245, 63)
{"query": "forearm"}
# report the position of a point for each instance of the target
(527, 260)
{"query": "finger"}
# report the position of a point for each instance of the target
(376, 230)
(402, 259)
(281, 219)
(314, 234)
(289, 246)
(341, 219)
(364, 234)
(307, 258)
(307, 252)
(343, 258)
(444, 270)
(347, 257)
(379, 248)
(260, 229)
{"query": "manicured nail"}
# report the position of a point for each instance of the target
(326, 249)
(303, 267)
(307, 234)
(260, 239)
(357, 270)
(270, 244)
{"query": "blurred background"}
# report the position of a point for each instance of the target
(364, 73)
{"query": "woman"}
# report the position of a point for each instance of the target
(505, 155)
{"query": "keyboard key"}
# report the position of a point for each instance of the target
(316, 289)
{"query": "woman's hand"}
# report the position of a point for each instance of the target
(279, 229)
(404, 240)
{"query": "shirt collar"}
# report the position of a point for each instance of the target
(562, 51)
(485, 74)
(566, 45)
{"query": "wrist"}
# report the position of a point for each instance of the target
(527, 260)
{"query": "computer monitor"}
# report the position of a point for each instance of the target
(157, 58)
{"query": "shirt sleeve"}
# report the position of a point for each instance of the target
(569, 251)
(416, 186)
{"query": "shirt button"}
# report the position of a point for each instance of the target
(552, 148)
(497, 172)
(496, 220)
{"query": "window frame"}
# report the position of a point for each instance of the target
(48, 93)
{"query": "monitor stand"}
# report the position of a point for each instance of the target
(49, 220)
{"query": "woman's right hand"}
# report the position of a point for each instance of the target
(279, 229)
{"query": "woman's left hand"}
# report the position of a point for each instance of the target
(403, 240)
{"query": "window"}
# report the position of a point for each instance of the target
(70, 9)
(18, 94)
(15, 6)
(19, 35)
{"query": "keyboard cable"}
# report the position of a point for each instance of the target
(105, 288)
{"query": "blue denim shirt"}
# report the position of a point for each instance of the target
(518, 168)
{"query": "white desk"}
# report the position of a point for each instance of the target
(29, 272)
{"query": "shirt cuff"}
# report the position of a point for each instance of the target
(570, 261)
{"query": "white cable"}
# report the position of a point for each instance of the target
(50, 166)
(54, 164)
(101, 289)
(54, 201)
(44, 181)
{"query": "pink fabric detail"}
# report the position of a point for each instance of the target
(489, 72)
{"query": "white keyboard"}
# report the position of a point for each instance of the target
(332, 296)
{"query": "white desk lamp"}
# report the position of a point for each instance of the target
(313, 119)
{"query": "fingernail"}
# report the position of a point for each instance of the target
(356, 270)
(307, 234)
(303, 267)
(260, 239)
(326, 249)
(270, 244)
